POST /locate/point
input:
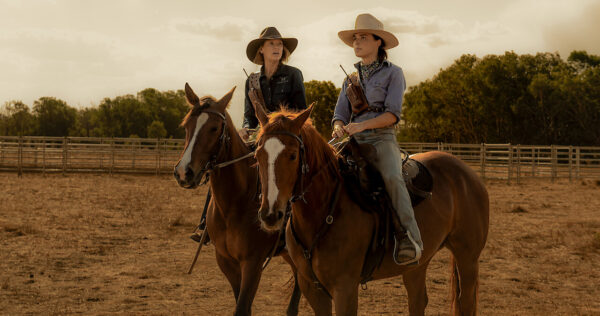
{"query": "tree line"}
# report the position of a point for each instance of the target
(150, 113)
(520, 99)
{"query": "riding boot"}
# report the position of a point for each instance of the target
(408, 245)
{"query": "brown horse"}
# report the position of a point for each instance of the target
(241, 246)
(332, 233)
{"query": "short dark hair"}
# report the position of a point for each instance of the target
(381, 53)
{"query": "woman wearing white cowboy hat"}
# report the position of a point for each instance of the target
(280, 84)
(383, 85)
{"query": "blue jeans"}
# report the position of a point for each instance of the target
(389, 164)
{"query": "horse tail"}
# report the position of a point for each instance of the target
(454, 287)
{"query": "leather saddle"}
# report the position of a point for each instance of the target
(366, 187)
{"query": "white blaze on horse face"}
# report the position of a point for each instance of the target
(187, 155)
(273, 147)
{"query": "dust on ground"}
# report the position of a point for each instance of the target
(99, 244)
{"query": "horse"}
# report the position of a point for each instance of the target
(213, 147)
(328, 235)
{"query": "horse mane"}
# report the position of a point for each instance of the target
(318, 152)
(205, 102)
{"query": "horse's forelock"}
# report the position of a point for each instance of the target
(205, 102)
(318, 152)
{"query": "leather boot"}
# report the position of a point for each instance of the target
(406, 250)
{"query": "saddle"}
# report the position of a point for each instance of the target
(366, 187)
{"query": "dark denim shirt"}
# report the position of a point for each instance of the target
(384, 88)
(286, 87)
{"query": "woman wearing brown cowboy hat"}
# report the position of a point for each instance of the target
(280, 84)
(383, 85)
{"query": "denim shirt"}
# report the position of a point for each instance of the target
(384, 88)
(286, 87)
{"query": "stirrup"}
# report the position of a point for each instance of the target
(418, 251)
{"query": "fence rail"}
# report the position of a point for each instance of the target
(138, 155)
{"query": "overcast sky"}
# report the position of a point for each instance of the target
(82, 51)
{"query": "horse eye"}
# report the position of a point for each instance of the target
(214, 129)
(293, 156)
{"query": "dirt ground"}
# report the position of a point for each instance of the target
(98, 245)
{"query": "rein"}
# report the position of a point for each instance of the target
(307, 251)
(224, 141)
(299, 192)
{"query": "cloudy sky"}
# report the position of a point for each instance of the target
(84, 50)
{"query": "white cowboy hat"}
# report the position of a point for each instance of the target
(366, 23)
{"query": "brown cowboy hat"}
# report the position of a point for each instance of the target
(267, 34)
(366, 23)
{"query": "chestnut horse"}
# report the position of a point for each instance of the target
(332, 233)
(241, 246)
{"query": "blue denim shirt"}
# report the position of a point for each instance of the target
(384, 88)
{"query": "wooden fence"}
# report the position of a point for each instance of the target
(137, 155)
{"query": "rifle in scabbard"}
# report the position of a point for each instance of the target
(254, 92)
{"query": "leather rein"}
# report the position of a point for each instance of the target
(299, 192)
(224, 141)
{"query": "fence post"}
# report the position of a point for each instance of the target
(577, 160)
(20, 157)
(482, 160)
(157, 148)
(518, 163)
(553, 161)
(510, 155)
(44, 157)
(570, 163)
(112, 155)
(64, 156)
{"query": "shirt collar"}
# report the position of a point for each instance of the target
(279, 72)
(385, 62)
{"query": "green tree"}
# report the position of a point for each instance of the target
(157, 130)
(324, 94)
(16, 119)
(519, 99)
(54, 117)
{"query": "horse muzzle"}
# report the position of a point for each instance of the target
(271, 220)
(188, 179)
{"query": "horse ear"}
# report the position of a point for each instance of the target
(261, 114)
(301, 119)
(190, 96)
(224, 101)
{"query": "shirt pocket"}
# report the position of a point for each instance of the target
(282, 90)
(377, 92)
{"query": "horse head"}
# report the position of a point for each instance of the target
(205, 136)
(281, 161)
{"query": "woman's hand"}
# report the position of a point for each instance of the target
(338, 130)
(243, 133)
(354, 128)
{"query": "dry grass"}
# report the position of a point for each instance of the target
(95, 244)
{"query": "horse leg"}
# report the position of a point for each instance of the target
(345, 299)
(231, 269)
(292, 309)
(465, 279)
(414, 282)
(317, 298)
(251, 273)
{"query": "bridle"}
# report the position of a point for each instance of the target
(223, 146)
(299, 188)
